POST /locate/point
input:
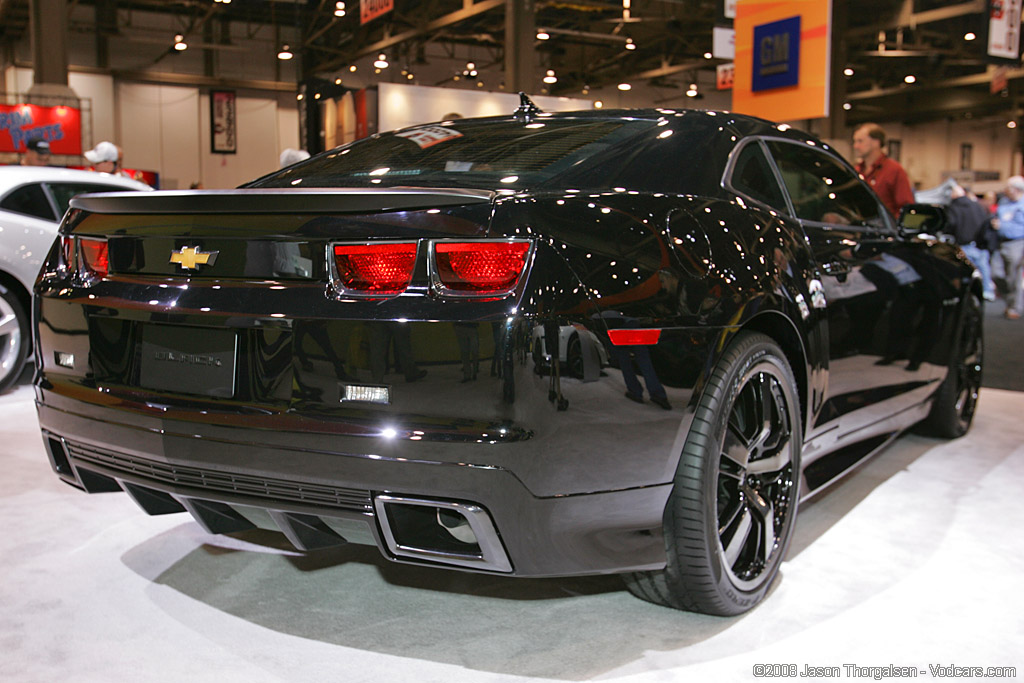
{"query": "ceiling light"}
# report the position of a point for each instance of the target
(630, 45)
(550, 77)
(586, 89)
(708, 55)
(337, 81)
(909, 78)
(543, 35)
(179, 43)
(285, 53)
(382, 61)
(339, 9)
(470, 66)
(598, 104)
(409, 76)
(847, 106)
(625, 86)
(479, 84)
(1011, 124)
(970, 35)
(299, 97)
(692, 92)
(352, 68)
(847, 72)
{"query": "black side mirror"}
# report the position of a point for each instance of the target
(922, 218)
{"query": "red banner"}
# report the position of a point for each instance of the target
(60, 126)
(371, 9)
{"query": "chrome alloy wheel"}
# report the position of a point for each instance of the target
(757, 486)
(11, 343)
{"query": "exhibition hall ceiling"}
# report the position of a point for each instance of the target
(589, 44)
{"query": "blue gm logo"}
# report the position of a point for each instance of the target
(776, 54)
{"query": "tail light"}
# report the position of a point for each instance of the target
(634, 337)
(384, 268)
(480, 268)
(94, 256)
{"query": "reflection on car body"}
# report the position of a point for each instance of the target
(396, 383)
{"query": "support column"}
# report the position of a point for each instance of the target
(48, 25)
(520, 35)
(835, 127)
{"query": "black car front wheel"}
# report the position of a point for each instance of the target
(13, 338)
(957, 397)
(734, 501)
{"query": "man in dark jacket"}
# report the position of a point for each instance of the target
(969, 223)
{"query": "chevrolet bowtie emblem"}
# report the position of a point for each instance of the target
(190, 258)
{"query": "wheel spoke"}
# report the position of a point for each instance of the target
(731, 515)
(735, 447)
(739, 538)
(8, 324)
(764, 511)
(774, 463)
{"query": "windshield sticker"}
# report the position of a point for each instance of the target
(429, 135)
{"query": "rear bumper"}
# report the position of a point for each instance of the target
(327, 496)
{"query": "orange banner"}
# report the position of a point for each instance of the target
(760, 32)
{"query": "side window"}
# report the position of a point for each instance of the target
(824, 190)
(29, 200)
(63, 192)
(753, 176)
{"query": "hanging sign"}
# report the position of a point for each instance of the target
(223, 122)
(371, 9)
(1004, 29)
(61, 126)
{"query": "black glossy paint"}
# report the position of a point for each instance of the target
(574, 474)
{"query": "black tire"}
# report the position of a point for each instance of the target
(574, 357)
(957, 397)
(731, 512)
(13, 338)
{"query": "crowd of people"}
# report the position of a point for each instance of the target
(989, 231)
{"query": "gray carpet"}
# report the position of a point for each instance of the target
(914, 560)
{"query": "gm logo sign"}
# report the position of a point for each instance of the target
(776, 54)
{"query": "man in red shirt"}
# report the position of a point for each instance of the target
(885, 176)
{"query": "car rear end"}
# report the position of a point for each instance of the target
(345, 366)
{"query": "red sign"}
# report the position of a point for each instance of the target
(60, 126)
(371, 9)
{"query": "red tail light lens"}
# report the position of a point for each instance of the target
(375, 268)
(634, 337)
(479, 268)
(94, 255)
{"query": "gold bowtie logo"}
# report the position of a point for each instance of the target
(190, 258)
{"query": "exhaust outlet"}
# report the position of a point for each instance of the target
(446, 532)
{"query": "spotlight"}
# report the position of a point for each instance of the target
(970, 35)
(624, 86)
(543, 35)
(179, 43)
(847, 106)
(910, 78)
(382, 61)
(285, 53)
(708, 55)
(598, 104)
(630, 45)
(1011, 124)
(352, 68)
(847, 72)
(550, 77)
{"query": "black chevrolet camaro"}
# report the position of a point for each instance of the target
(535, 345)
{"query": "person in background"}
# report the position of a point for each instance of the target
(969, 224)
(104, 157)
(1009, 222)
(37, 153)
(293, 156)
(885, 176)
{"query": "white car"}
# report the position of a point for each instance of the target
(32, 201)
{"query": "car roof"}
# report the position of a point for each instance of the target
(12, 176)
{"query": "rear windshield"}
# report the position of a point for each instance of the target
(492, 154)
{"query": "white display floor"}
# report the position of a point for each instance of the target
(916, 559)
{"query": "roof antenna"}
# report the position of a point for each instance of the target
(527, 109)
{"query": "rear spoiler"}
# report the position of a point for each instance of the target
(280, 200)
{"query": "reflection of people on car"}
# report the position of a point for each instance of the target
(468, 336)
(381, 336)
(629, 358)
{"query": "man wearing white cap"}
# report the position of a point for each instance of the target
(103, 157)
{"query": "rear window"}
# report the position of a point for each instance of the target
(506, 153)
